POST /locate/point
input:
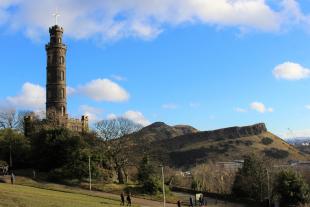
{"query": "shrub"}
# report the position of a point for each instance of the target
(250, 181)
(266, 141)
(291, 188)
(276, 153)
(148, 178)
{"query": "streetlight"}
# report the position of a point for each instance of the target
(89, 171)
(268, 187)
(163, 178)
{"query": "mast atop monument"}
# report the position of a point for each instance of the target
(56, 15)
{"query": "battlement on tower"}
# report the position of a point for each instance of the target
(56, 29)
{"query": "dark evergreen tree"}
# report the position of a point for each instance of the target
(291, 188)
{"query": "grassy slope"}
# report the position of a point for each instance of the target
(16, 195)
(232, 149)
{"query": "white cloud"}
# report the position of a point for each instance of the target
(32, 97)
(308, 106)
(118, 77)
(170, 106)
(70, 91)
(240, 110)
(136, 117)
(295, 133)
(112, 116)
(291, 71)
(260, 107)
(292, 14)
(114, 19)
(104, 90)
(94, 114)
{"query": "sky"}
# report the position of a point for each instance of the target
(205, 63)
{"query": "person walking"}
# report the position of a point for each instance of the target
(179, 203)
(12, 178)
(205, 201)
(200, 200)
(128, 199)
(191, 203)
(122, 199)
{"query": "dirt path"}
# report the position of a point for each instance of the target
(137, 201)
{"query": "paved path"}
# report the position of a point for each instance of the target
(137, 201)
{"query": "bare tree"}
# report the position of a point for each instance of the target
(8, 119)
(115, 146)
(12, 119)
(214, 178)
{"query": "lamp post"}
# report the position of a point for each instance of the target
(268, 187)
(163, 179)
(89, 171)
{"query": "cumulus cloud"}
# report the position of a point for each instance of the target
(291, 71)
(118, 77)
(104, 90)
(135, 116)
(32, 97)
(296, 134)
(112, 116)
(70, 90)
(240, 110)
(260, 107)
(115, 19)
(170, 106)
(94, 114)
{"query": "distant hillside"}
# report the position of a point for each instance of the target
(184, 146)
(301, 143)
(161, 131)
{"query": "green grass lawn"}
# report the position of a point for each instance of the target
(24, 196)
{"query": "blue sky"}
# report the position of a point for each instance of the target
(206, 63)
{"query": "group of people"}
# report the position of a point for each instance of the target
(202, 201)
(128, 199)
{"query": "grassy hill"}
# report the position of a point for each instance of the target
(186, 148)
(17, 195)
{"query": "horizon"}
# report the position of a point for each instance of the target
(177, 63)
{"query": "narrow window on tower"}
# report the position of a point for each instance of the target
(62, 75)
(49, 76)
(62, 60)
(62, 95)
(49, 59)
(59, 40)
(63, 110)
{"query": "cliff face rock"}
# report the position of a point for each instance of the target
(214, 135)
(236, 132)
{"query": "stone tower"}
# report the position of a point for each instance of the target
(56, 98)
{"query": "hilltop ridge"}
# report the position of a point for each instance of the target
(183, 146)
